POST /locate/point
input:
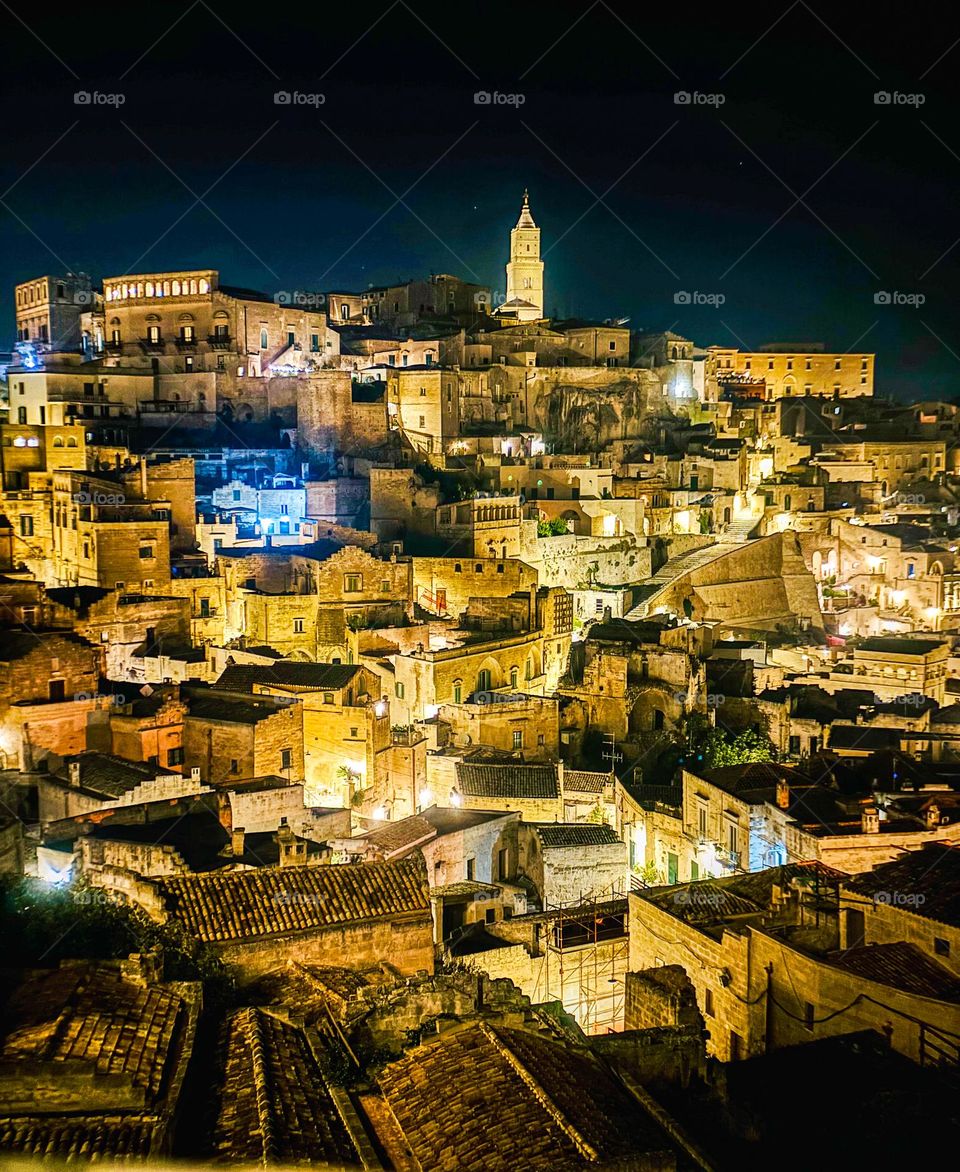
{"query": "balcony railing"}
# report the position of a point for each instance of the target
(152, 346)
(220, 341)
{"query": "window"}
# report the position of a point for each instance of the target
(484, 680)
(286, 758)
(499, 569)
(694, 870)
(187, 334)
(708, 1003)
(26, 525)
(153, 335)
(263, 337)
(328, 697)
(732, 839)
(146, 552)
(702, 821)
(457, 691)
(175, 756)
(940, 946)
(352, 583)
(518, 738)
(471, 869)
(458, 569)
(298, 626)
(314, 343)
(541, 739)
(809, 1016)
(291, 338)
(234, 765)
(399, 690)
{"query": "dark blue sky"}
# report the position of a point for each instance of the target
(301, 196)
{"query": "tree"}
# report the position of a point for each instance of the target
(713, 748)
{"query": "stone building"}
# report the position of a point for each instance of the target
(48, 695)
(49, 309)
(233, 736)
(569, 863)
(525, 297)
(346, 722)
(764, 953)
(534, 791)
(360, 914)
(94, 1061)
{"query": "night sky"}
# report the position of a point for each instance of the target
(696, 198)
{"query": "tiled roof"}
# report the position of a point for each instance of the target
(566, 1110)
(90, 1014)
(701, 902)
(894, 645)
(17, 643)
(902, 966)
(562, 834)
(275, 1107)
(310, 991)
(508, 781)
(241, 677)
(81, 1138)
(230, 711)
(584, 781)
(107, 775)
(248, 904)
(403, 835)
(932, 873)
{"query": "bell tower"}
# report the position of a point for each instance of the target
(525, 268)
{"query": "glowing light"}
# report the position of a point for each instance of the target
(455, 799)
(379, 814)
(380, 707)
(430, 711)
(426, 796)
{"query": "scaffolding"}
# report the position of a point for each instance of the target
(586, 954)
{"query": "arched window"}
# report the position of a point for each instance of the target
(72, 442)
(58, 441)
(484, 680)
(514, 676)
(458, 691)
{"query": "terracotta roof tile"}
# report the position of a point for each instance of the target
(270, 901)
(508, 781)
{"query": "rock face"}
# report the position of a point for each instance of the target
(584, 416)
(759, 586)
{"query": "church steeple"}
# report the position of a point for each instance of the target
(525, 268)
(526, 220)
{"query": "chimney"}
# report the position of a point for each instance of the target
(783, 794)
(237, 836)
(195, 774)
(143, 476)
(292, 852)
(870, 819)
(932, 816)
(74, 772)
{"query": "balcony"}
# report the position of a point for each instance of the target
(220, 341)
(152, 347)
(186, 345)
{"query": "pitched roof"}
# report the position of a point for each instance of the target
(566, 1109)
(275, 1106)
(929, 877)
(89, 1014)
(245, 905)
(902, 966)
(585, 781)
(82, 1138)
(404, 835)
(563, 834)
(228, 710)
(895, 645)
(242, 677)
(508, 781)
(105, 774)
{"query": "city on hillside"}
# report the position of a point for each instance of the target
(435, 734)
